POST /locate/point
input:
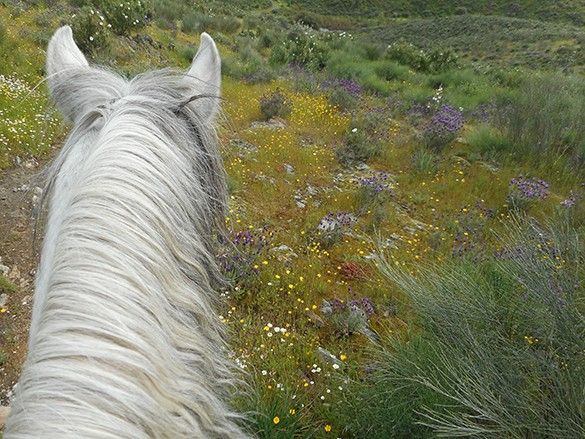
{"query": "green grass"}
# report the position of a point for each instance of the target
(6, 286)
(499, 350)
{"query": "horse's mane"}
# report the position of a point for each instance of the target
(124, 339)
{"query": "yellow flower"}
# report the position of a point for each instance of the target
(292, 411)
(327, 428)
(343, 357)
(276, 420)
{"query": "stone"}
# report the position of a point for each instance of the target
(272, 124)
(328, 356)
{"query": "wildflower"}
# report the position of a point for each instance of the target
(328, 428)
(276, 420)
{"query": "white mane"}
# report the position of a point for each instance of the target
(124, 340)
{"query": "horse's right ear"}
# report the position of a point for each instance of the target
(63, 60)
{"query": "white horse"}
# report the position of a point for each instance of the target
(124, 340)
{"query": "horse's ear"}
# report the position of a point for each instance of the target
(63, 59)
(205, 77)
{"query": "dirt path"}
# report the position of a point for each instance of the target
(19, 258)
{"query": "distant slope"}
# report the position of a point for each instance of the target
(502, 39)
(568, 11)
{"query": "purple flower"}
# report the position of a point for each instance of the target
(417, 110)
(338, 220)
(376, 183)
(349, 86)
(443, 127)
(569, 202)
(529, 188)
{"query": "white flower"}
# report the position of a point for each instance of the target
(354, 130)
(336, 366)
(264, 372)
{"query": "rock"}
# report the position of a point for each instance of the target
(371, 335)
(3, 300)
(4, 412)
(490, 167)
(289, 169)
(311, 190)
(315, 319)
(284, 253)
(23, 188)
(266, 178)
(243, 146)
(328, 356)
(300, 200)
(31, 164)
(272, 124)
(4, 270)
(14, 274)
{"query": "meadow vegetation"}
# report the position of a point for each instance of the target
(406, 216)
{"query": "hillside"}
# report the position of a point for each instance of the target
(568, 11)
(504, 40)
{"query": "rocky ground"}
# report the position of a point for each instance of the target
(18, 261)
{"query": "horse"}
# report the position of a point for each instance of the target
(124, 339)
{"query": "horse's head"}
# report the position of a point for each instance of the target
(159, 110)
(79, 89)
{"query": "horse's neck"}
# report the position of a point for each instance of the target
(59, 203)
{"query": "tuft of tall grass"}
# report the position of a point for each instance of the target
(498, 350)
(547, 115)
(489, 142)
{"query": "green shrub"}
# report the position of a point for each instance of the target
(547, 114)
(302, 46)
(498, 350)
(490, 143)
(346, 65)
(432, 61)
(343, 100)
(391, 71)
(275, 104)
(90, 30)
(123, 16)
(424, 161)
(358, 147)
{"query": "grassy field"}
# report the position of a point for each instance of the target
(408, 225)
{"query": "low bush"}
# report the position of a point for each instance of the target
(90, 29)
(302, 46)
(275, 104)
(443, 128)
(123, 16)
(424, 161)
(489, 142)
(498, 350)
(358, 146)
(432, 61)
(547, 114)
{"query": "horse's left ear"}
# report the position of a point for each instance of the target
(64, 59)
(205, 77)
